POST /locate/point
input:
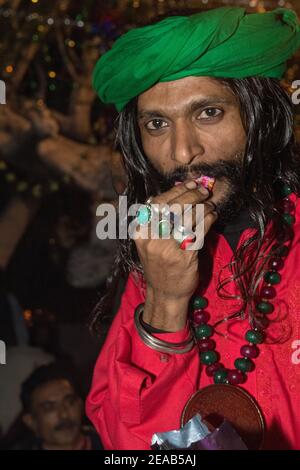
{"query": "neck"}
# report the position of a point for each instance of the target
(241, 219)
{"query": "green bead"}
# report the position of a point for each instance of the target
(284, 251)
(203, 331)
(289, 219)
(200, 302)
(285, 190)
(243, 364)
(265, 307)
(281, 250)
(208, 357)
(220, 376)
(255, 337)
(272, 277)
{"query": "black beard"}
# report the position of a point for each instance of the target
(230, 171)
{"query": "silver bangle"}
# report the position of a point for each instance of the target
(158, 344)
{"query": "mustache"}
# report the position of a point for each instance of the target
(228, 169)
(65, 425)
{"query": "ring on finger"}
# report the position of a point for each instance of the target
(144, 214)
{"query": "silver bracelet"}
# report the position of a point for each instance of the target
(158, 344)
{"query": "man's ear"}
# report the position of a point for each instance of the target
(29, 421)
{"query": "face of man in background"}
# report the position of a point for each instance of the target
(56, 414)
(193, 126)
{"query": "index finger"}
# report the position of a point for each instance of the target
(179, 190)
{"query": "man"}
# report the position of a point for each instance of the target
(53, 411)
(201, 95)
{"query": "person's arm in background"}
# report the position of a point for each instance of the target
(137, 391)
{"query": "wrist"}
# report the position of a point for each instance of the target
(169, 314)
(177, 346)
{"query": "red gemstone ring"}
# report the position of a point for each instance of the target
(187, 241)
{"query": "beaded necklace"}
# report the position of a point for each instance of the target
(225, 399)
(204, 331)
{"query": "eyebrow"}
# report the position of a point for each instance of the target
(189, 108)
(53, 402)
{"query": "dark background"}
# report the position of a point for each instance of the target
(57, 164)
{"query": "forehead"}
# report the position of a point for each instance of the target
(180, 93)
(52, 391)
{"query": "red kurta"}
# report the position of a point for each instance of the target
(137, 391)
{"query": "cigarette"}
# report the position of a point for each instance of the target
(206, 181)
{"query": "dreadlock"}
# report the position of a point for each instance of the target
(271, 155)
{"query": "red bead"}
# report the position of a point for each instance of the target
(200, 316)
(236, 377)
(276, 264)
(288, 206)
(206, 344)
(286, 236)
(268, 292)
(250, 350)
(210, 370)
(261, 322)
(186, 242)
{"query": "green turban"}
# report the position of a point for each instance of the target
(223, 42)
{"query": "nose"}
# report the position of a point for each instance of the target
(63, 411)
(186, 143)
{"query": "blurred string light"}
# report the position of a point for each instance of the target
(27, 315)
(80, 22)
(9, 69)
(7, 13)
(70, 43)
(35, 189)
(44, 22)
(192, 3)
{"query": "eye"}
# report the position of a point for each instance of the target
(156, 124)
(48, 407)
(210, 113)
(71, 399)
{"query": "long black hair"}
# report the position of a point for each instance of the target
(271, 156)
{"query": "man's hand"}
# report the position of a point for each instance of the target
(172, 274)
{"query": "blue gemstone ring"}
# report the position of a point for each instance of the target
(144, 214)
